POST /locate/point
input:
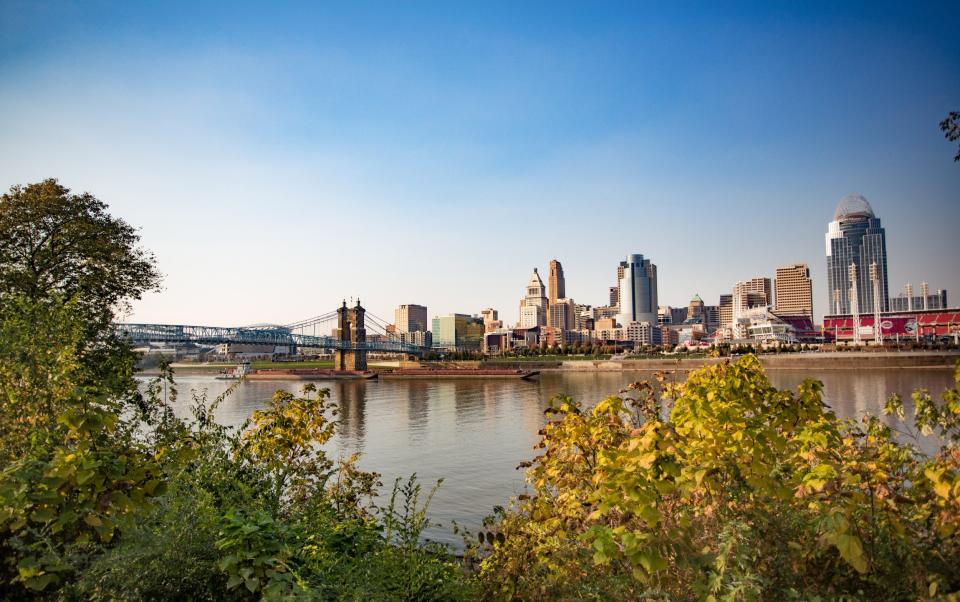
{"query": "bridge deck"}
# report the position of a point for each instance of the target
(277, 336)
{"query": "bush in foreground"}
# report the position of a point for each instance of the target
(735, 490)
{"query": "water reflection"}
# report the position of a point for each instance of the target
(473, 433)
(351, 398)
(417, 394)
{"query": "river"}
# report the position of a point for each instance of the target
(473, 433)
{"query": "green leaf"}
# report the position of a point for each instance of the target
(651, 561)
(40, 582)
(851, 550)
(43, 515)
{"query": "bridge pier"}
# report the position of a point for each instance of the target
(351, 333)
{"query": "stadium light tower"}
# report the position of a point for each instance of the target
(836, 312)
(875, 279)
(854, 303)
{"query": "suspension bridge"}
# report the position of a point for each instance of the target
(347, 327)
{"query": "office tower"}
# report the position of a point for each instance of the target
(752, 294)
(533, 306)
(557, 288)
(726, 310)
(457, 331)
(615, 290)
(558, 285)
(563, 314)
(711, 317)
(855, 237)
(794, 291)
(761, 289)
(638, 291)
(410, 318)
(584, 317)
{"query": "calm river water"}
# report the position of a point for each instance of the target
(473, 433)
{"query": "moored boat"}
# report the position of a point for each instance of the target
(242, 370)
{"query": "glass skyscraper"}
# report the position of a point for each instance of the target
(855, 236)
(638, 291)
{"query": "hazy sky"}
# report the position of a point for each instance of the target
(281, 157)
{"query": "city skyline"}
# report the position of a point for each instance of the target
(550, 131)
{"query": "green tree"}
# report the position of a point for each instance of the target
(55, 243)
(59, 247)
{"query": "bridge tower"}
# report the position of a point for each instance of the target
(351, 332)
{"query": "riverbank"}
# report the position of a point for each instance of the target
(785, 361)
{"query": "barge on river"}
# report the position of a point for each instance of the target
(310, 374)
(446, 373)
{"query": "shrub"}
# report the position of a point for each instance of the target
(738, 491)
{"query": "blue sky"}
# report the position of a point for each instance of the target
(281, 157)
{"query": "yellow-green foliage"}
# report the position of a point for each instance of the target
(284, 438)
(71, 474)
(735, 491)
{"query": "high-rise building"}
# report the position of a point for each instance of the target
(614, 296)
(558, 285)
(638, 291)
(584, 317)
(761, 289)
(750, 294)
(457, 331)
(557, 289)
(533, 306)
(563, 314)
(794, 291)
(855, 237)
(411, 318)
(726, 310)
(711, 317)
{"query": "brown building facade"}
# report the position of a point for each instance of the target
(794, 291)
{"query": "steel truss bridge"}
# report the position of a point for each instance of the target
(304, 334)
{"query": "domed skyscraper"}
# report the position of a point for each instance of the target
(856, 237)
